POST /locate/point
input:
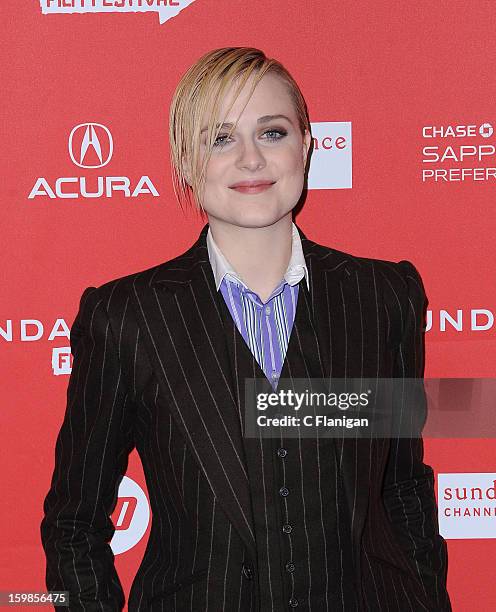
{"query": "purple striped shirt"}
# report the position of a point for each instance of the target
(265, 327)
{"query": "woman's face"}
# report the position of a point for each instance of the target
(266, 146)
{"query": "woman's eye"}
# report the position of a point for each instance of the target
(218, 141)
(275, 134)
(278, 134)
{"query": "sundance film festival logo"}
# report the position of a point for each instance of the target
(166, 9)
(91, 147)
(452, 153)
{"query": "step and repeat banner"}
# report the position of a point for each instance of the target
(401, 101)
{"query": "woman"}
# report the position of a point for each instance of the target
(160, 361)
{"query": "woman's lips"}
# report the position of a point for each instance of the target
(253, 189)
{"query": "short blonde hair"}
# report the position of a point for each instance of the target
(199, 94)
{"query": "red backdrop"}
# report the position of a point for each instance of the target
(400, 74)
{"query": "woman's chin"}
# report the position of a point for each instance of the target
(257, 217)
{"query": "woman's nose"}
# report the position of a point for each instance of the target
(251, 156)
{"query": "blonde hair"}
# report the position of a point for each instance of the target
(199, 94)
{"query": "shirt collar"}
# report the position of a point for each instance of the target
(296, 270)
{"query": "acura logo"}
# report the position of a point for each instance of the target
(90, 140)
(91, 146)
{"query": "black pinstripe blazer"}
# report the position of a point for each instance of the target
(149, 372)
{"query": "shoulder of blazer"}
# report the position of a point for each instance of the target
(396, 275)
(116, 291)
(403, 294)
(399, 283)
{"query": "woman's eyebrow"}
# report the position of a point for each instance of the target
(267, 118)
(264, 119)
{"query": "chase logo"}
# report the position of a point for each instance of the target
(166, 9)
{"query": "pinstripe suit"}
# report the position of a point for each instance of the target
(152, 370)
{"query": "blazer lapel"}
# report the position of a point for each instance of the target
(340, 321)
(179, 312)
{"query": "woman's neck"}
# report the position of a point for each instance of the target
(259, 255)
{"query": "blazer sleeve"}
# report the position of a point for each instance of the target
(91, 455)
(408, 491)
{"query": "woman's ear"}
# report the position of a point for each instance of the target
(307, 141)
(187, 172)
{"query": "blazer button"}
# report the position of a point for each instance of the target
(287, 528)
(282, 452)
(248, 572)
(293, 602)
(284, 491)
(290, 567)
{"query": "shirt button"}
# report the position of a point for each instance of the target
(274, 374)
(267, 310)
(293, 602)
(284, 491)
(287, 528)
(290, 567)
(282, 452)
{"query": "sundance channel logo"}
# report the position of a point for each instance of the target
(166, 9)
(91, 147)
(467, 505)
